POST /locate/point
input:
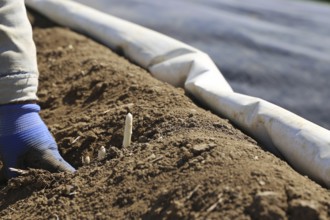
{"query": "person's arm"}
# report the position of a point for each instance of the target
(25, 140)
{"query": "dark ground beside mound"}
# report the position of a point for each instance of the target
(184, 162)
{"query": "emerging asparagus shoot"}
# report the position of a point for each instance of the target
(101, 153)
(128, 130)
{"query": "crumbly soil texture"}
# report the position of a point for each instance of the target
(184, 162)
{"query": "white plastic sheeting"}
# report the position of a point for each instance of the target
(306, 146)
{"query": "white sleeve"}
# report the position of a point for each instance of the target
(18, 63)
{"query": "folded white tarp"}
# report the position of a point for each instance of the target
(306, 146)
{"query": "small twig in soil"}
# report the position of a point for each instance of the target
(14, 210)
(106, 111)
(76, 139)
(156, 159)
(212, 207)
(129, 105)
(70, 190)
(192, 192)
(152, 156)
(18, 170)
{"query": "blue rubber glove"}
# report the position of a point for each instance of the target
(25, 141)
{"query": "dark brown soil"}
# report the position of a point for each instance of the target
(184, 162)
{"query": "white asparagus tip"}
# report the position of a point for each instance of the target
(86, 159)
(128, 130)
(101, 153)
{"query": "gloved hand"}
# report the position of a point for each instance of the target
(25, 141)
